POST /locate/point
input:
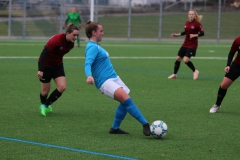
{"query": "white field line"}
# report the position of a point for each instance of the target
(204, 58)
(120, 45)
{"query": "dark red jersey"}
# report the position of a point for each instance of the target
(57, 47)
(192, 28)
(236, 48)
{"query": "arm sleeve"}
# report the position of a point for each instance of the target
(79, 18)
(42, 58)
(66, 21)
(233, 50)
(91, 53)
(230, 58)
(201, 31)
(183, 33)
(200, 34)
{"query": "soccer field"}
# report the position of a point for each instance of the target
(78, 127)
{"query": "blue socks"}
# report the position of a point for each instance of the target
(119, 116)
(131, 108)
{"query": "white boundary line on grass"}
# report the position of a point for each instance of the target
(122, 45)
(204, 58)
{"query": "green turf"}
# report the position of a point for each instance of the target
(82, 117)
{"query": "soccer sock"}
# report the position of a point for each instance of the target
(78, 40)
(43, 98)
(190, 65)
(53, 97)
(176, 66)
(220, 96)
(134, 111)
(119, 116)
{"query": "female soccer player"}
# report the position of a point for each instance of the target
(75, 18)
(193, 30)
(99, 70)
(50, 66)
(232, 73)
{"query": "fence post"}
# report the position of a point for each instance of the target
(205, 3)
(62, 15)
(96, 11)
(9, 19)
(24, 19)
(160, 21)
(191, 4)
(219, 20)
(92, 11)
(129, 18)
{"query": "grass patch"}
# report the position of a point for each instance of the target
(82, 117)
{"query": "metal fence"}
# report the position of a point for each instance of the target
(121, 19)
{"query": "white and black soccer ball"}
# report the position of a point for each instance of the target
(158, 129)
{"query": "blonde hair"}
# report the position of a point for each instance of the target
(197, 17)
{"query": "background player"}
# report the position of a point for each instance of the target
(193, 30)
(50, 66)
(75, 18)
(232, 73)
(99, 70)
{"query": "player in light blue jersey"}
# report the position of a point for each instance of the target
(99, 70)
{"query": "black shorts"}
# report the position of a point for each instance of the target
(188, 52)
(234, 71)
(52, 73)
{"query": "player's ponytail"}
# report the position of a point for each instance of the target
(91, 26)
(71, 27)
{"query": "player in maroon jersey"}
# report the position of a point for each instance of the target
(50, 66)
(232, 73)
(193, 30)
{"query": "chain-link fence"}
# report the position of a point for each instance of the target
(125, 19)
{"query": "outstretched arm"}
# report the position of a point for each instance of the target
(178, 34)
(229, 61)
(230, 58)
(66, 21)
(41, 62)
(197, 35)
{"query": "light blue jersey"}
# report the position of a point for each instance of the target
(98, 64)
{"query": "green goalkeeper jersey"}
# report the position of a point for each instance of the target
(73, 18)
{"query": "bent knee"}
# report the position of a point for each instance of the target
(225, 86)
(178, 58)
(226, 83)
(44, 92)
(61, 88)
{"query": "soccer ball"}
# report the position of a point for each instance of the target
(158, 129)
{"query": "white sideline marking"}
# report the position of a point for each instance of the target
(212, 51)
(205, 58)
(119, 45)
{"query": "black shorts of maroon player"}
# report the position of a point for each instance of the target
(188, 52)
(52, 73)
(234, 71)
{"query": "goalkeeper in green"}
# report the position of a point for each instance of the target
(75, 18)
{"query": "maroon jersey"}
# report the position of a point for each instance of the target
(236, 48)
(57, 47)
(192, 28)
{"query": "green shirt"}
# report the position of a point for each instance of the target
(73, 18)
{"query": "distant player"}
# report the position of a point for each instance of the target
(232, 73)
(75, 18)
(99, 70)
(193, 30)
(50, 66)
